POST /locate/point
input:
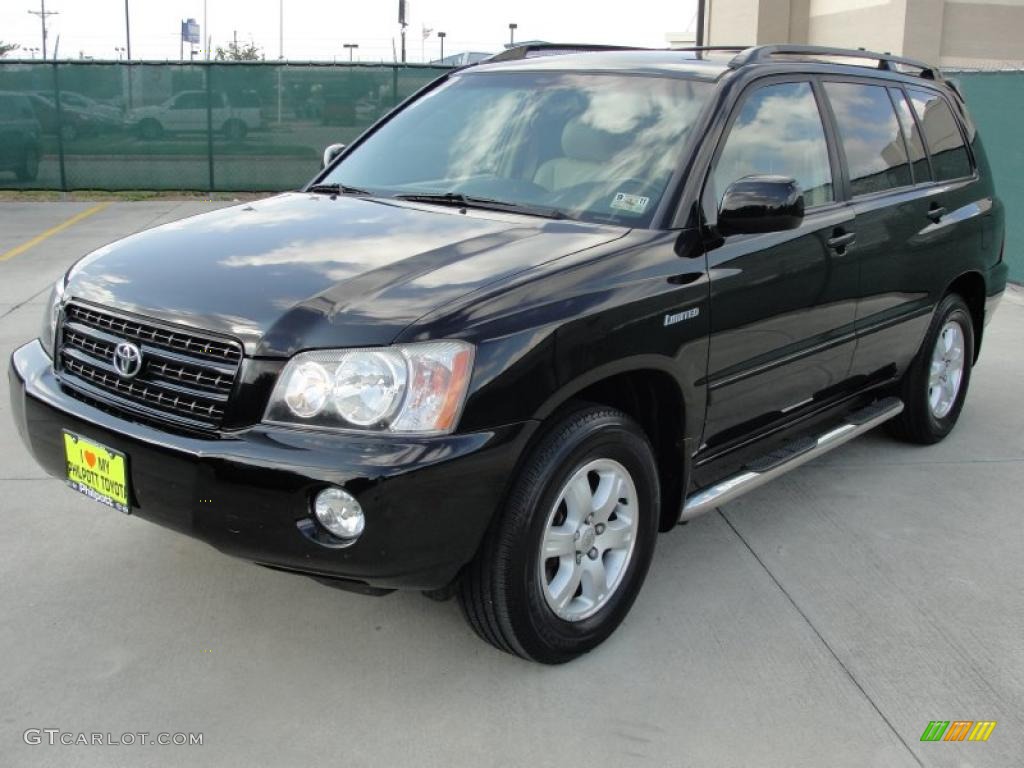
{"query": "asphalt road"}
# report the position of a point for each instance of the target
(821, 621)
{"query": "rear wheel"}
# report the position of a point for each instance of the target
(150, 129)
(935, 385)
(560, 568)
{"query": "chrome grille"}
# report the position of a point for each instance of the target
(183, 340)
(186, 376)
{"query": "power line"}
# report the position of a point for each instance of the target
(42, 13)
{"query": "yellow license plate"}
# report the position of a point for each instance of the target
(97, 471)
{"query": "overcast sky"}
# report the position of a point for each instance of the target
(316, 29)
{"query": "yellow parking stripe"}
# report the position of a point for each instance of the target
(19, 249)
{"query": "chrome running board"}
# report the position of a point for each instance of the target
(788, 457)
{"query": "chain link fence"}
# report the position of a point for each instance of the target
(203, 126)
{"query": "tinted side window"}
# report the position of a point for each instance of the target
(870, 132)
(918, 156)
(191, 101)
(778, 131)
(942, 134)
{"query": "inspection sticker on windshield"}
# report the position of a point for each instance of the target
(624, 201)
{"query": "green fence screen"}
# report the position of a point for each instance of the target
(263, 126)
(996, 102)
(202, 126)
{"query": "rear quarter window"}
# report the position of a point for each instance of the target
(950, 159)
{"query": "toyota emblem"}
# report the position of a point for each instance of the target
(127, 359)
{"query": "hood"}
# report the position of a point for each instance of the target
(303, 271)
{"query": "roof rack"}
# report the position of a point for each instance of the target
(885, 61)
(708, 49)
(553, 49)
(533, 50)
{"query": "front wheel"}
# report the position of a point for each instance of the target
(561, 567)
(935, 385)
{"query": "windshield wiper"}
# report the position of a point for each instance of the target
(336, 189)
(484, 203)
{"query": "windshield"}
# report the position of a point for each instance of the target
(596, 147)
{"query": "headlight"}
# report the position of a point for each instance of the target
(405, 388)
(52, 311)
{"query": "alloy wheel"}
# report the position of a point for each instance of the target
(947, 369)
(588, 539)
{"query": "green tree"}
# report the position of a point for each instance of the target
(238, 52)
(6, 48)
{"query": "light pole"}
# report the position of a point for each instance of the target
(351, 48)
(128, 51)
(280, 51)
(119, 50)
(512, 34)
(127, 33)
(441, 36)
(402, 24)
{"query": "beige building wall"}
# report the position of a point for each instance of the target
(986, 34)
(874, 24)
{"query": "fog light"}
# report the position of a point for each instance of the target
(339, 512)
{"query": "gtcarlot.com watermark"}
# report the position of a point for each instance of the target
(55, 736)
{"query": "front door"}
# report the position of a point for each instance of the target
(783, 304)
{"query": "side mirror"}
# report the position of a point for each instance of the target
(757, 204)
(332, 151)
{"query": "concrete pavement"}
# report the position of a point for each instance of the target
(823, 620)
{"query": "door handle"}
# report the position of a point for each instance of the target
(936, 212)
(840, 240)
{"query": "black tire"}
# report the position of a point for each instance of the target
(918, 423)
(235, 130)
(150, 129)
(501, 593)
(29, 168)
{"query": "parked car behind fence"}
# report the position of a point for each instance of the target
(231, 115)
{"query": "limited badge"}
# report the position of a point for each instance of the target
(635, 204)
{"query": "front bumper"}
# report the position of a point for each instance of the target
(427, 500)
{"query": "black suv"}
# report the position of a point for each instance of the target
(548, 307)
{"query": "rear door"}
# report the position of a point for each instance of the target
(910, 212)
(782, 304)
(188, 112)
